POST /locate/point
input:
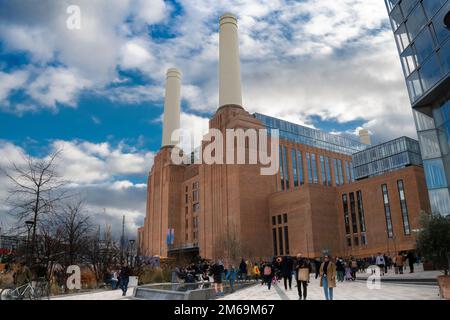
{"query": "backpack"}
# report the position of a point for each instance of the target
(267, 271)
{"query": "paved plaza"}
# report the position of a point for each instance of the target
(344, 291)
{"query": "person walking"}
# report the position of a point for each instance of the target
(217, 270)
(287, 268)
(231, 276)
(268, 273)
(242, 270)
(328, 277)
(317, 265)
(124, 277)
(302, 272)
(340, 269)
(411, 259)
(399, 262)
(379, 261)
(353, 268)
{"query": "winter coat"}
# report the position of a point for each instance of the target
(331, 274)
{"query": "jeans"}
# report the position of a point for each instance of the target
(303, 284)
(124, 285)
(328, 291)
(231, 284)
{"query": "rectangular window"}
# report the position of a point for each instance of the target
(347, 172)
(363, 239)
(280, 240)
(286, 239)
(314, 167)
(353, 212)
(195, 195)
(300, 167)
(281, 169)
(186, 198)
(274, 237)
(274, 220)
(352, 171)
(285, 218)
(286, 172)
(196, 207)
(346, 219)
(322, 171)
(341, 174)
(186, 210)
(308, 162)
(404, 208)
(195, 185)
(328, 170)
(336, 174)
(349, 242)
(294, 167)
(279, 219)
(387, 211)
(362, 219)
(356, 240)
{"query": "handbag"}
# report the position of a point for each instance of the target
(303, 274)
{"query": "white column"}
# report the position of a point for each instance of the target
(364, 137)
(172, 105)
(230, 91)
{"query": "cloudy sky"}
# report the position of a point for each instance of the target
(97, 92)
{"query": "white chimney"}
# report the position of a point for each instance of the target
(364, 137)
(172, 104)
(230, 91)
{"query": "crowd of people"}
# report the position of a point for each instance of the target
(284, 269)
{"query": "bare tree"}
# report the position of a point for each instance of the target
(35, 189)
(75, 227)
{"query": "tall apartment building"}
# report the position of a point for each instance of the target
(422, 33)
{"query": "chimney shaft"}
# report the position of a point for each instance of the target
(364, 137)
(230, 91)
(171, 106)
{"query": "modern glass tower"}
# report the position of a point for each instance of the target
(423, 42)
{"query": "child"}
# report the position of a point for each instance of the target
(348, 273)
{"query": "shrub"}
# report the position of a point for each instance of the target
(434, 240)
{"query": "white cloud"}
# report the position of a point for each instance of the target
(335, 59)
(57, 85)
(10, 82)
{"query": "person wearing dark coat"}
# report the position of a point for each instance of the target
(411, 259)
(243, 270)
(287, 267)
(124, 276)
(302, 270)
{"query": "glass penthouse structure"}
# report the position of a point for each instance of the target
(386, 157)
(311, 137)
(423, 42)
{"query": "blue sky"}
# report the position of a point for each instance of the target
(98, 92)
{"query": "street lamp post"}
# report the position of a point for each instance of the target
(29, 224)
(132, 252)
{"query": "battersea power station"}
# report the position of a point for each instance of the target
(330, 193)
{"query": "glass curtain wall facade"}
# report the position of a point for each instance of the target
(423, 42)
(311, 137)
(386, 157)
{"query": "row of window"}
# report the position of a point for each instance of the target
(403, 206)
(352, 226)
(280, 235)
(311, 137)
(312, 163)
(422, 40)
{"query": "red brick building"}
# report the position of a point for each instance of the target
(330, 194)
